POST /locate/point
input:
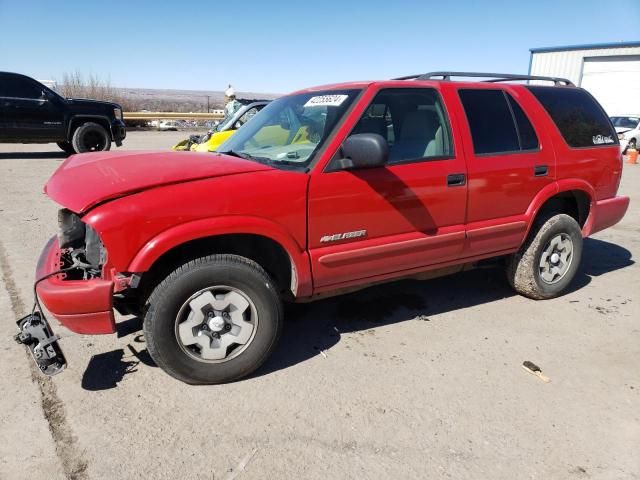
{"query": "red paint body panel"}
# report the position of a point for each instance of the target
(608, 212)
(404, 208)
(97, 323)
(83, 306)
(496, 235)
(137, 229)
(143, 204)
(83, 181)
(501, 186)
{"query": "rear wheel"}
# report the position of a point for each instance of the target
(213, 320)
(66, 147)
(91, 137)
(549, 259)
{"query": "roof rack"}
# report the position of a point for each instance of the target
(492, 77)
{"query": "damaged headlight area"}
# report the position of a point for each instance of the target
(82, 251)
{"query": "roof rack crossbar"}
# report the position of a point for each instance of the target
(492, 77)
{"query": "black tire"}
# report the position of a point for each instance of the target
(169, 297)
(523, 268)
(66, 147)
(631, 144)
(91, 137)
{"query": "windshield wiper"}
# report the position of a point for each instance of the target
(246, 156)
(263, 160)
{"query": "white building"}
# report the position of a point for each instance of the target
(610, 71)
(49, 83)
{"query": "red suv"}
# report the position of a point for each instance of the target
(327, 190)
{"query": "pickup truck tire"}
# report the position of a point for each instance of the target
(66, 147)
(91, 137)
(196, 315)
(549, 259)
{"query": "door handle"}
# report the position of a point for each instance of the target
(541, 170)
(456, 180)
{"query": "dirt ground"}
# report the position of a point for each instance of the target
(406, 380)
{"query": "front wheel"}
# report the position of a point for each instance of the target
(213, 320)
(91, 137)
(549, 259)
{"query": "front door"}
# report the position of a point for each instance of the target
(29, 113)
(382, 222)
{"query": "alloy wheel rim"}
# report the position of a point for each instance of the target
(556, 259)
(216, 324)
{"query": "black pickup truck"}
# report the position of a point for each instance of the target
(33, 113)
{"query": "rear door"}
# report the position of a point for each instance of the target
(28, 113)
(380, 222)
(509, 161)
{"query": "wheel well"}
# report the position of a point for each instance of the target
(575, 203)
(266, 252)
(76, 122)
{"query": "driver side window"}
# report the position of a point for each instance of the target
(412, 121)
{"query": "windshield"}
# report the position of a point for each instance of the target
(625, 122)
(290, 130)
(224, 122)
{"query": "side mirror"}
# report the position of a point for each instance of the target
(364, 150)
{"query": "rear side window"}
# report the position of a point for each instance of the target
(580, 119)
(497, 123)
(14, 86)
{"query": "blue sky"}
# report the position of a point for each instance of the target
(279, 46)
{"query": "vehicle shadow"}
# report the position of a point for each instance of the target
(32, 155)
(312, 328)
(106, 370)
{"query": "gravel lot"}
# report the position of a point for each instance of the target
(407, 380)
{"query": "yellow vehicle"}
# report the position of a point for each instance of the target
(227, 127)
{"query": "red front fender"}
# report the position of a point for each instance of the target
(209, 227)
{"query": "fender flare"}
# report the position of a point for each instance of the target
(153, 249)
(553, 189)
(89, 116)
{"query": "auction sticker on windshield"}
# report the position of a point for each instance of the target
(326, 101)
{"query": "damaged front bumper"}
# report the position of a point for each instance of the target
(82, 306)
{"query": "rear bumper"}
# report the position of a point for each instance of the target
(606, 213)
(83, 306)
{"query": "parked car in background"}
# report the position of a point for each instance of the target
(628, 130)
(210, 141)
(168, 126)
(32, 113)
(325, 191)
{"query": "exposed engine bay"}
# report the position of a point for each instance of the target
(82, 251)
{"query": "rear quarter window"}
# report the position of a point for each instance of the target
(580, 119)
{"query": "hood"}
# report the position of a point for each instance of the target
(84, 102)
(623, 129)
(85, 180)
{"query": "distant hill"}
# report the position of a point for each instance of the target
(157, 100)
